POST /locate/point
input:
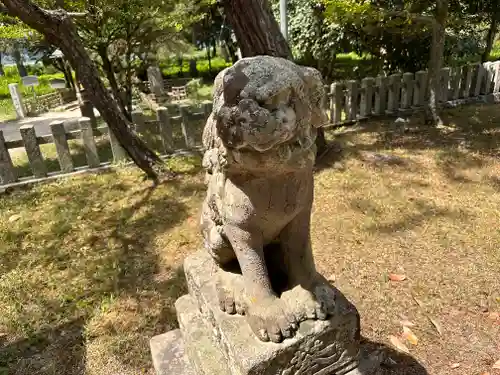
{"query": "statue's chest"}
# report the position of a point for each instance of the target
(270, 198)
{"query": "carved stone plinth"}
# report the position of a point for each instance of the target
(211, 342)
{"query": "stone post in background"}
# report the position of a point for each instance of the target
(156, 81)
(17, 100)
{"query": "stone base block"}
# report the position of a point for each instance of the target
(319, 347)
(168, 354)
(216, 343)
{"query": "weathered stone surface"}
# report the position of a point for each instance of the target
(7, 171)
(62, 146)
(168, 354)
(17, 99)
(318, 347)
(257, 305)
(155, 81)
(88, 142)
(260, 151)
(204, 354)
(35, 156)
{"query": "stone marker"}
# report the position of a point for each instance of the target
(256, 304)
(155, 81)
(17, 100)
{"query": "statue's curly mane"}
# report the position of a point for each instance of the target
(266, 111)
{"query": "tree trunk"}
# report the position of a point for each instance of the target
(436, 63)
(16, 54)
(60, 31)
(209, 58)
(102, 50)
(258, 33)
(256, 29)
(2, 72)
(128, 79)
(492, 31)
(69, 73)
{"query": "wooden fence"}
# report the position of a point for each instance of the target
(351, 101)
(174, 131)
(178, 129)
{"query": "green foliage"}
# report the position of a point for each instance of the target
(171, 70)
(7, 111)
(314, 40)
(11, 76)
(14, 31)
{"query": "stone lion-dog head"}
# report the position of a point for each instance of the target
(266, 111)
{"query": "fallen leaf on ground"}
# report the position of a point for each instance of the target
(13, 218)
(496, 365)
(437, 325)
(407, 323)
(396, 277)
(494, 315)
(455, 365)
(410, 336)
(398, 344)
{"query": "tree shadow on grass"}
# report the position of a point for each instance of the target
(423, 211)
(41, 352)
(470, 137)
(113, 263)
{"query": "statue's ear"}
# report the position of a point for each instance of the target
(316, 94)
(235, 81)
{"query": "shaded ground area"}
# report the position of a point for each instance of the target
(91, 266)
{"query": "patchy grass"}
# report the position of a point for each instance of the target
(7, 111)
(91, 268)
(424, 203)
(91, 265)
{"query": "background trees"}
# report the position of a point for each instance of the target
(344, 39)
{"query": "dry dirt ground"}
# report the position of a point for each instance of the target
(91, 266)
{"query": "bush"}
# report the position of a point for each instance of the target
(42, 89)
(171, 69)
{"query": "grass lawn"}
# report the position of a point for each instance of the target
(91, 266)
(7, 111)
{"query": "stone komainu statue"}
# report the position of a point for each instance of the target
(260, 151)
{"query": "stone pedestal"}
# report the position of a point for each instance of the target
(211, 342)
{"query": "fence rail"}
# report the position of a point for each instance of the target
(351, 101)
(173, 131)
(178, 129)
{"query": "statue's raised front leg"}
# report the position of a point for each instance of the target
(310, 296)
(266, 314)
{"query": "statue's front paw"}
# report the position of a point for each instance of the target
(317, 303)
(270, 321)
(230, 289)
